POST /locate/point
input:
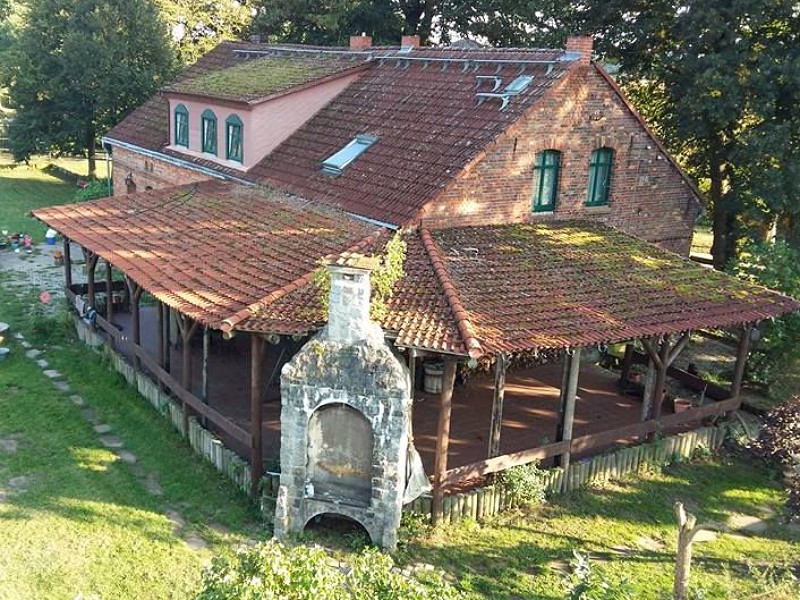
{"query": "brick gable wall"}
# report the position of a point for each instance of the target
(146, 171)
(648, 198)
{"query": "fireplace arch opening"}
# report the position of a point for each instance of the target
(340, 455)
(338, 526)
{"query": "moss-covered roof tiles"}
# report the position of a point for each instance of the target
(257, 78)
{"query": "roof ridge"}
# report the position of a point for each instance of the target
(465, 327)
(231, 322)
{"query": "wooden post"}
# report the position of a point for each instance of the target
(187, 331)
(109, 298)
(67, 263)
(160, 333)
(91, 263)
(687, 530)
(569, 394)
(661, 378)
(500, 367)
(741, 360)
(256, 459)
(627, 363)
(167, 338)
(206, 344)
(443, 437)
(136, 294)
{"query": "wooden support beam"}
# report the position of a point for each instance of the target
(256, 459)
(569, 394)
(500, 366)
(741, 360)
(661, 378)
(109, 295)
(206, 347)
(443, 437)
(167, 338)
(160, 342)
(67, 263)
(627, 363)
(187, 328)
(91, 263)
(136, 295)
(412, 370)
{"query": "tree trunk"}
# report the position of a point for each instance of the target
(724, 217)
(91, 153)
(683, 559)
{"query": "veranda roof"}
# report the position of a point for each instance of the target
(211, 249)
(243, 259)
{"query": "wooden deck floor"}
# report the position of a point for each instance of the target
(530, 411)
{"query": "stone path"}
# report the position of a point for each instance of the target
(105, 436)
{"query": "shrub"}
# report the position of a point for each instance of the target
(97, 188)
(524, 484)
(272, 571)
(585, 584)
(779, 441)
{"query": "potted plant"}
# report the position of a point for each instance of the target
(58, 257)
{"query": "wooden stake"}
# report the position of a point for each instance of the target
(443, 437)
(256, 459)
(67, 263)
(500, 366)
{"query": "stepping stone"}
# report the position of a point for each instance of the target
(19, 336)
(61, 386)
(129, 458)
(152, 486)
(52, 374)
(77, 400)
(648, 543)
(33, 353)
(19, 483)
(220, 529)
(26, 344)
(42, 363)
(705, 535)
(89, 415)
(747, 524)
(9, 445)
(195, 542)
(102, 428)
(177, 520)
(111, 441)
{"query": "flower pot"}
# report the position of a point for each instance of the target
(681, 404)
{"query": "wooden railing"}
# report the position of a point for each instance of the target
(588, 442)
(188, 399)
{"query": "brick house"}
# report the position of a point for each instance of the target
(540, 217)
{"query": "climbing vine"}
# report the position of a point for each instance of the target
(382, 279)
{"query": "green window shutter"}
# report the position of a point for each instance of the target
(209, 132)
(545, 180)
(181, 126)
(599, 177)
(234, 140)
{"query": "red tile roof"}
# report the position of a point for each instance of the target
(212, 249)
(428, 122)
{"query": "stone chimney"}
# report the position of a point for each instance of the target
(409, 41)
(349, 300)
(582, 46)
(360, 42)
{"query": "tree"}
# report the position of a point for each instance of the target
(76, 67)
(197, 26)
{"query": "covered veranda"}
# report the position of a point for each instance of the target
(222, 261)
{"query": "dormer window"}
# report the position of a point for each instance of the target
(599, 177)
(545, 180)
(208, 132)
(335, 164)
(181, 126)
(234, 140)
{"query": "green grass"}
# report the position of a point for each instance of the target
(519, 556)
(23, 189)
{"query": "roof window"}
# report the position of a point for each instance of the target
(336, 163)
(519, 84)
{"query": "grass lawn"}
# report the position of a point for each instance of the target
(629, 530)
(21, 190)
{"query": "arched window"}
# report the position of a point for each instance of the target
(545, 180)
(208, 132)
(599, 177)
(181, 126)
(234, 139)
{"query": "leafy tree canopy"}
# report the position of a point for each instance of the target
(76, 67)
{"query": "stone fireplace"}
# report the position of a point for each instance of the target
(345, 418)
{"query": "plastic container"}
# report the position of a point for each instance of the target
(50, 237)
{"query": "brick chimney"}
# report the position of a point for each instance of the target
(409, 41)
(360, 42)
(349, 300)
(582, 46)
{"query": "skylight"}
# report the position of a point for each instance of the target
(336, 163)
(519, 84)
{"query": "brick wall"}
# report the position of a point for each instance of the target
(147, 171)
(648, 197)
